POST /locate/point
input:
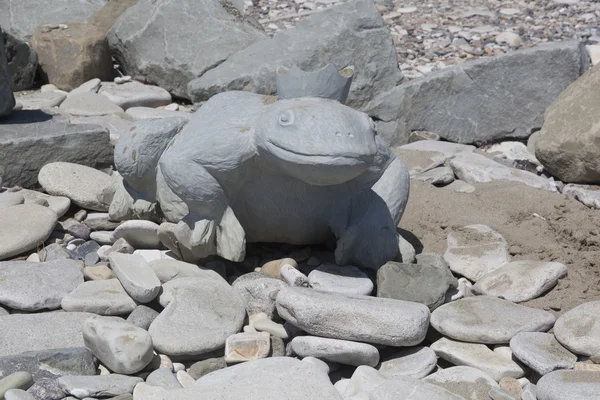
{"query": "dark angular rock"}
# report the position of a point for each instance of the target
(50, 364)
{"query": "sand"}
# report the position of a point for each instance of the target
(538, 225)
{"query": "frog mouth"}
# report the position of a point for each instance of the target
(336, 159)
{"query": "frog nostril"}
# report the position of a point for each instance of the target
(350, 134)
(338, 134)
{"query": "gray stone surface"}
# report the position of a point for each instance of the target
(520, 281)
(22, 62)
(201, 315)
(89, 105)
(354, 317)
(120, 346)
(140, 113)
(7, 100)
(405, 387)
(82, 184)
(259, 294)
(42, 331)
(579, 329)
(103, 297)
(135, 94)
(42, 100)
(138, 233)
(441, 176)
(167, 270)
(136, 276)
(477, 356)
(486, 100)
(541, 352)
(33, 286)
(488, 320)
(572, 385)
(47, 389)
(568, 140)
(335, 350)
(58, 204)
(141, 46)
(420, 283)
(8, 199)
(142, 316)
(98, 386)
(247, 346)
(205, 367)
(469, 383)
(415, 362)
(279, 377)
(24, 227)
(16, 380)
(50, 364)
(313, 43)
(347, 279)
(586, 194)
(164, 378)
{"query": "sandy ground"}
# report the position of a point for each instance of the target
(537, 225)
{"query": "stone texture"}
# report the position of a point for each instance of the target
(465, 104)
(69, 57)
(106, 17)
(17, 380)
(7, 100)
(441, 176)
(142, 46)
(477, 356)
(354, 317)
(405, 387)
(140, 113)
(80, 183)
(142, 317)
(135, 94)
(58, 204)
(359, 29)
(50, 364)
(247, 346)
(167, 270)
(24, 227)
(43, 331)
(420, 283)
(334, 350)
(279, 377)
(586, 194)
(22, 62)
(205, 367)
(47, 389)
(488, 320)
(98, 386)
(469, 383)
(347, 279)
(414, 362)
(42, 100)
(139, 234)
(572, 385)
(201, 315)
(567, 144)
(136, 276)
(103, 297)
(579, 329)
(33, 286)
(164, 378)
(475, 250)
(541, 352)
(89, 105)
(520, 281)
(119, 345)
(259, 293)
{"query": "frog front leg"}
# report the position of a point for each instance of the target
(210, 227)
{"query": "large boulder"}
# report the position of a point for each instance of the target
(568, 144)
(7, 100)
(350, 34)
(22, 62)
(106, 17)
(20, 18)
(31, 139)
(181, 41)
(486, 100)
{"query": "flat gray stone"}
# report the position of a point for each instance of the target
(98, 386)
(579, 329)
(82, 184)
(16, 380)
(267, 378)
(587, 195)
(354, 317)
(59, 204)
(135, 94)
(488, 320)
(459, 186)
(467, 382)
(9, 199)
(335, 350)
(541, 352)
(448, 149)
(205, 367)
(247, 346)
(139, 113)
(18, 394)
(201, 315)
(24, 227)
(48, 389)
(142, 317)
(520, 281)
(259, 294)
(572, 385)
(475, 250)
(22, 62)
(440, 176)
(120, 346)
(220, 32)
(420, 283)
(103, 297)
(477, 356)
(90, 86)
(42, 100)
(347, 279)
(463, 104)
(167, 270)
(140, 234)
(164, 378)
(415, 362)
(89, 105)
(420, 161)
(136, 276)
(404, 387)
(41, 331)
(33, 286)
(50, 364)
(116, 125)
(313, 43)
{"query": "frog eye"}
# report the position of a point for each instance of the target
(286, 118)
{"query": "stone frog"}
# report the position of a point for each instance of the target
(297, 170)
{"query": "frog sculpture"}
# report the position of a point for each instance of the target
(301, 169)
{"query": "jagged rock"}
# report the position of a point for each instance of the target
(7, 100)
(22, 62)
(50, 364)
